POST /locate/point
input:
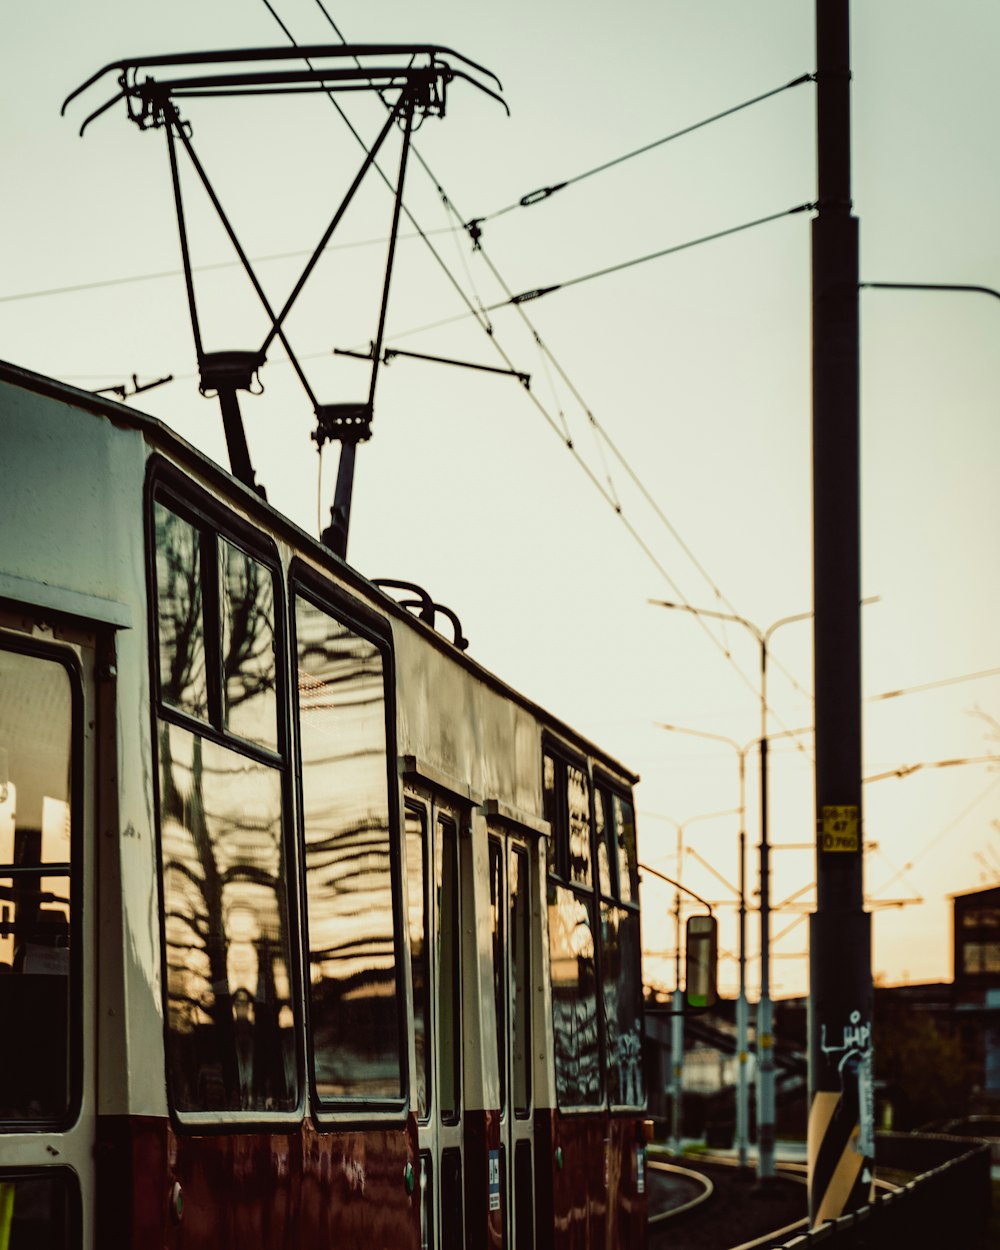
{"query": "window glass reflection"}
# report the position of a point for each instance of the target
(578, 802)
(352, 950)
(230, 1040)
(622, 984)
(36, 991)
(181, 613)
(574, 997)
(249, 671)
(416, 856)
(606, 859)
(628, 867)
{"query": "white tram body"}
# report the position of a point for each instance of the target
(312, 932)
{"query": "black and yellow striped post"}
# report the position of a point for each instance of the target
(841, 1122)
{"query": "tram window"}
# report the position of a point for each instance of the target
(497, 915)
(39, 1210)
(249, 666)
(572, 948)
(449, 971)
(607, 859)
(230, 1021)
(554, 810)
(416, 882)
(180, 602)
(38, 982)
(621, 959)
(578, 805)
(622, 984)
(520, 972)
(628, 866)
(353, 996)
(573, 971)
(566, 806)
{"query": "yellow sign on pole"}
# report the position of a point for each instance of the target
(839, 831)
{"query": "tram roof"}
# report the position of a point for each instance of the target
(184, 453)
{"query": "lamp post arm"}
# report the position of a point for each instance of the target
(660, 876)
(717, 616)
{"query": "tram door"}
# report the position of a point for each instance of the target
(47, 934)
(511, 908)
(433, 900)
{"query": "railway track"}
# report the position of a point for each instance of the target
(676, 1191)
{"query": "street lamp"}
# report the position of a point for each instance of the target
(765, 1014)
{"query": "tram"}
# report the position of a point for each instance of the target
(312, 931)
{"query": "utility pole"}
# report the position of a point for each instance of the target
(841, 1120)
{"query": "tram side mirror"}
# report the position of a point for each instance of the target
(700, 976)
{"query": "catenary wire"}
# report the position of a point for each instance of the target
(127, 279)
(483, 321)
(489, 330)
(546, 352)
(933, 685)
(526, 297)
(544, 193)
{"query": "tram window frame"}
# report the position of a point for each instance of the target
(609, 791)
(560, 876)
(306, 582)
(216, 524)
(69, 661)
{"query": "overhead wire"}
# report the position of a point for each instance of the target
(128, 279)
(480, 317)
(544, 193)
(540, 292)
(933, 685)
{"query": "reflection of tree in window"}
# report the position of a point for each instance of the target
(248, 659)
(181, 624)
(228, 981)
(352, 950)
(229, 997)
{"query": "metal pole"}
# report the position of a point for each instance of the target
(765, 1033)
(841, 1121)
(677, 1021)
(742, 1048)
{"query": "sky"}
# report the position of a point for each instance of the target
(689, 374)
